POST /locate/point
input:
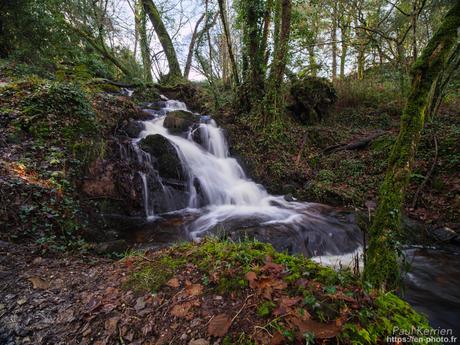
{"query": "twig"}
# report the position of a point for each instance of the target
(428, 175)
(244, 305)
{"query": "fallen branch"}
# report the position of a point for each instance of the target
(428, 175)
(116, 83)
(354, 145)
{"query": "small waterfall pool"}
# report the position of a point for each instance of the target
(221, 199)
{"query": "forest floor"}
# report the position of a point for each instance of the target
(211, 293)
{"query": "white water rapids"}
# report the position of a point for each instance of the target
(233, 202)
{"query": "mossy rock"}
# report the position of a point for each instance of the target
(310, 99)
(179, 121)
(169, 164)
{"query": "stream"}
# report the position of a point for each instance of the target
(211, 195)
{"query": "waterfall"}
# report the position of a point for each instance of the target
(225, 199)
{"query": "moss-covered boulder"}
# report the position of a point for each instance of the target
(167, 159)
(179, 120)
(310, 99)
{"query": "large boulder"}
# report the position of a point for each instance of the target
(310, 99)
(179, 121)
(169, 164)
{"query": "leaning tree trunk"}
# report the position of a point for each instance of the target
(382, 266)
(164, 38)
(191, 49)
(228, 41)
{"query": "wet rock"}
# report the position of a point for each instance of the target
(117, 246)
(133, 128)
(169, 165)
(153, 105)
(413, 230)
(179, 121)
(445, 234)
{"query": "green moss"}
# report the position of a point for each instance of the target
(376, 324)
(265, 309)
(150, 277)
(370, 323)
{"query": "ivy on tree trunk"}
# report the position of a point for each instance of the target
(382, 264)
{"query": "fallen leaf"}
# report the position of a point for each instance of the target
(251, 277)
(285, 304)
(39, 283)
(182, 309)
(173, 282)
(320, 330)
(140, 304)
(219, 326)
(277, 339)
(272, 267)
(194, 290)
(111, 325)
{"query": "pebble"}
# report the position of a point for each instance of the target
(21, 301)
(198, 342)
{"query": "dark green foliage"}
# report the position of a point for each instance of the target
(310, 98)
(57, 108)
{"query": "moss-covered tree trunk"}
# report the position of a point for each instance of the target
(274, 92)
(140, 20)
(164, 38)
(382, 266)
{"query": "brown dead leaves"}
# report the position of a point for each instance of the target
(186, 299)
(320, 330)
(268, 281)
(184, 310)
(39, 283)
(219, 325)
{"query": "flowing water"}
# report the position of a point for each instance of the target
(432, 286)
(221, 199)
(216, 197)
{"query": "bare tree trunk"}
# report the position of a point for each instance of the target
(382, 267)
(345, 35)
(334, 41)
(223, 17)
(164, 38)
(312, 61)
(191, 49)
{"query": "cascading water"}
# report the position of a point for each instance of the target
(221, 198)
